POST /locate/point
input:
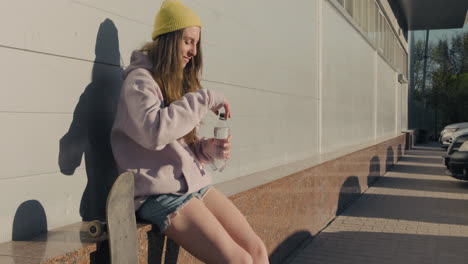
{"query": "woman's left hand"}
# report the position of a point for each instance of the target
(218, 148)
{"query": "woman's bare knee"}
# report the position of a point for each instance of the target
(199, 232)
(236, 225)
(240, 257)
(258, 251)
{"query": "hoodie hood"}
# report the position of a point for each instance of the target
(138, 59)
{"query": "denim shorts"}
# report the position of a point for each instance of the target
(157, 209)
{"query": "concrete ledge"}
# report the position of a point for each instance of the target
(250, 181)
(284, 213)
(410, 135)
(72, 244)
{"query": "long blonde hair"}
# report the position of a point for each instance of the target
(173, 80)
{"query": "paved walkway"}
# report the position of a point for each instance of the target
(413, 214)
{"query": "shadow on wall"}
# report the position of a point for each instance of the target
(399, 152)
(389, 161)
(89, 132)
(349, 192)
(374, 171)
(288, 246)
(30, 221)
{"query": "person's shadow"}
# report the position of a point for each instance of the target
(89, 132)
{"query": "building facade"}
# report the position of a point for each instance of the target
(309, 81)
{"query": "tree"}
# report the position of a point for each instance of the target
(447, 87)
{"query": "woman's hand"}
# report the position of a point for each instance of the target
(218, 148)
(227, 109)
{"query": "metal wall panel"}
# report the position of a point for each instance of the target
(348, 83)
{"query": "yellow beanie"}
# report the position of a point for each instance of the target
(172, 16)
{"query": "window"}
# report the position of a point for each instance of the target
(385, 36)
(376, 25)
(399, 57)
(391, 54)
(364, 14)
(390, 44)
(402, 60)
(381, 33)
(349, 7)
(373, 23)
(389, 40)
(405, 64)
(357, 12)
(386, 39)
(392, 47)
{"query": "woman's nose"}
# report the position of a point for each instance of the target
(193, 51)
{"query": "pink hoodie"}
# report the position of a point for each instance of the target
(147, 138)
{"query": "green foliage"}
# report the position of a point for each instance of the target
(446, 79)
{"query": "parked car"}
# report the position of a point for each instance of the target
(456, 159)
(448, 131)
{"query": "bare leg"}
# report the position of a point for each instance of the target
(198, 231)
(236, 225)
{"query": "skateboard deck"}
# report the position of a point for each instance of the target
(121, 221)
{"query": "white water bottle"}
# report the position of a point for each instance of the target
(221, 131)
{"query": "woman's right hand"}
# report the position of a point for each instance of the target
(218, 101)
(227, 109)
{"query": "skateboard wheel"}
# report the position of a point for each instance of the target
(95, 228)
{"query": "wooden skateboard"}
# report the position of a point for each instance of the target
(121, 222)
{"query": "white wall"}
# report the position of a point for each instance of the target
(48, 50)
(404, 107)
(267, 67)
(347, 85)
(263, 55)
(386, 99)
